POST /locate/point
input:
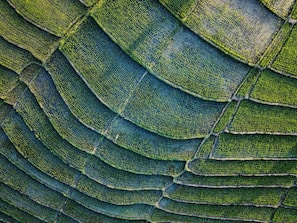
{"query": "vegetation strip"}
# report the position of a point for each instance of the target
(62, 14)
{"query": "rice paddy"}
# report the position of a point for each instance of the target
(148, 111)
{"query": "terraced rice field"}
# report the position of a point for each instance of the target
(148, 111)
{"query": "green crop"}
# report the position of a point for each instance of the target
(148, 111)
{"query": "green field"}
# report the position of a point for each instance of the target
(190, 179)
(148, 111)
(252, 117)
(35, 151)
(206, 148)
(88, 2)
(53, 105)
(11, 154)
(275, 88)
(255, 146)
(19, 181)
(170, 112)
(20, 32)
(281, 8)
(29, 72)
(8, 81)
(149, 144)
(117, 196)
(294, 12)
(287, 58)
(13, 95)
(163, 216)
(83, 214)
(120, 179)
(179, 9)
(133, 162)
(138, 211)
(242, 29)
(196, 67)
(144, 39)
(80, 99)
(180, 57)
(243, 167)
(225, 118)
(18, 215)
(13, 57)
(227, 196)
(291, 198)
(206, 210)
(285, 215)
(56, 16)
(26, 204)
(37, 121)
(105, 77)
(276, 45)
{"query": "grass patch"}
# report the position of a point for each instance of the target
(256, 146)
(141, 28)
(76, 94)
(148, 144)
(55, 16)
(115, 178)
(24, 203)
(188, 178)
(20, 181)
(17, 30)
(133, 162)
(170, 112)
(221, 211)
(65, 123)
(275, 88)
(116, 196)
(285, 215)
(13, 57)
(108, 71)
(255, 117)
(242, 29)
(35, 152)
(196, 67)
(246, 167)
(287, 58)
(228, 196)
